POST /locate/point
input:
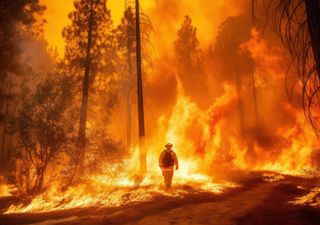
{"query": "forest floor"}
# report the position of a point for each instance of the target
(256, 201)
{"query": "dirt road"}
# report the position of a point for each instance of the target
(254, 202)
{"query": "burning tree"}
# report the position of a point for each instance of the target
(125, 34)
(235, 64)
(189, 60)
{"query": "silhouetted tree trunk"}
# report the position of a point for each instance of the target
(4, 135)
(85, 91)
(240, 102)
(143, 160)
(129, 85)
(10, 134)
(255, 101)
(5, 124)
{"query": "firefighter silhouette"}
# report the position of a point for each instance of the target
(167, 161)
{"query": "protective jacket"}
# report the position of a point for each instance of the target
(174, 157)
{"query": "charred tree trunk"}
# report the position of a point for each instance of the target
(5, 124)
(10, 139)
(4, 135)
(254, 92)
(313, 17)
(85, 91)
(240, 102)
(143, 159)
(129, 85)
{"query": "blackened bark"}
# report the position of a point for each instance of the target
(240, 102)
(255, 101)
(3, 161)
(143, 160)
(129, 85)
(85, 90)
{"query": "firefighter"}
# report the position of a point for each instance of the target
(167, 161)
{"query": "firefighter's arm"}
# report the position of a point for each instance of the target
(160, 160)
(176, 162)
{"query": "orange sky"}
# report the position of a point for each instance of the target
(166, 17)
(57, 12)
(56, 15)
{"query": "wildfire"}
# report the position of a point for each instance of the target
(199, 138)
(126, 187)
(207, 141)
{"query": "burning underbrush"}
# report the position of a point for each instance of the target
(122, 193)
(118, 190)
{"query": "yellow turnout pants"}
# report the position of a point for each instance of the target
(167, 175)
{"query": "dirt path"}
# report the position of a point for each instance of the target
(222, 212)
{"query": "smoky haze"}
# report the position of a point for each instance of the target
(216, 85)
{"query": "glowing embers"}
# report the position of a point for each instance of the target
(310, 199)
(272, 177)
(6, 190)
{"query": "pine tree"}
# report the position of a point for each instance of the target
(235, 64)
(187, 46)
(126, 49)
(143, 157)
(90, 50)
(189, 57)
(76, 38)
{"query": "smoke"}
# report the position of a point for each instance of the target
(167, 17)
(34, 54)
(257, 123)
